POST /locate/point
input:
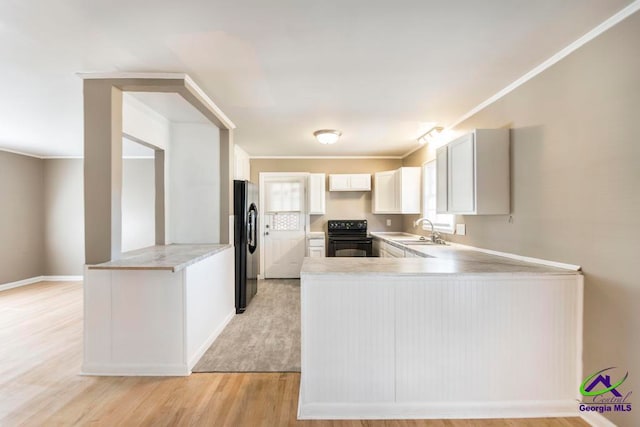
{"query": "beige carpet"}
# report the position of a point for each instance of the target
(265, 338)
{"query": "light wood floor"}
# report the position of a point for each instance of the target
(40, 357)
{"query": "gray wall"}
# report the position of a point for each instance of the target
(64, 208)
(576, 188)
(21, 217)
(64, 217)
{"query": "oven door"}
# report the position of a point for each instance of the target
(350, 248)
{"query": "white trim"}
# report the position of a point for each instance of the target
(410, 152)
(438, 410)
(82, 157)
(21, 153)
(62, 278)
(212, 105)
(94, 75)
(596, 420)
(207, 343)
(546, 262)
(39, 279)
(23, 282)
(188, 81)
(62, 157)
(558, 56)
(595, 32)
(135, 370)
(326, 157)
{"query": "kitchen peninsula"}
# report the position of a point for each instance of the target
(156, 310)
(456, 334)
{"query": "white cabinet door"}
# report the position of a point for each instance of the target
(473, 174)
(339, 182)
(461, 170)
(316, 194)
(360, 182)
(350, 182)
(395, 252)
(441, 180)
(385, 193)
(409, 190)
(316, 252)
(397, 191)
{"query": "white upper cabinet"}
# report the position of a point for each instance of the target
(316, 192)
(397, 191)
(473, 174)
(241, 164)
(350, 182)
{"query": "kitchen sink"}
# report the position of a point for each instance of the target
(422, 243)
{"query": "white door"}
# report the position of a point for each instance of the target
(284, 228)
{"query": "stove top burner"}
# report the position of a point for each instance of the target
(348, 227)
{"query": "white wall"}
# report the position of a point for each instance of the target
(194, 183)
(140, 121)
(138, 204)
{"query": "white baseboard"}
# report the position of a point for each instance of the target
(38, 279)
(134, 370)
(596, 420)
(440, 410)
(214, 335)
(62, 278)
(23, 282)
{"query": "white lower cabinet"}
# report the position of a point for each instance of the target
(315, 252)
(387, 250)
(316, 245)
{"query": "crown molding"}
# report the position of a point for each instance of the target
(325, 157)
(558, 56)
(21, 153)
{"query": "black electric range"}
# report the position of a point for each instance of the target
(349, 238)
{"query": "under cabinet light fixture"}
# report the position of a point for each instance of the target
(327, 136)
(431, 133)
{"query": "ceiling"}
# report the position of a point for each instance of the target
(376, 70)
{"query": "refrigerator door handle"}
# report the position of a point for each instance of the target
(252, 228)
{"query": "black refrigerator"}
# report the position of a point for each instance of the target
(245, 210)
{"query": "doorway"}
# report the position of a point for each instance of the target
(285, 222)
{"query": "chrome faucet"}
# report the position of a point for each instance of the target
(434, 237)
(423, 219)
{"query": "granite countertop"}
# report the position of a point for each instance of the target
(438, 260)
(170, 257)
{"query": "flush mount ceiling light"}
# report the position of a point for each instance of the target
(430, 134)
(327, 136)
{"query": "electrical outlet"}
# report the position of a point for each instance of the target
(388, 223)
(461, 229)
